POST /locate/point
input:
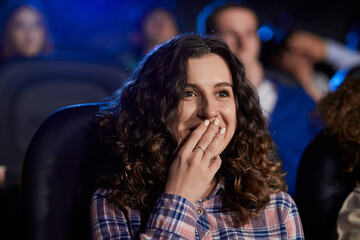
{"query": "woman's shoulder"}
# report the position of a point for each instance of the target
(280, 214)
(281, 201)
(103, 193)
(281, 197)
(281, 208)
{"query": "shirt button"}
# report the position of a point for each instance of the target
(199, 211)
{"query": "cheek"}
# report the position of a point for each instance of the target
(229, 112)
(38, 32)
(178, 124)
(230, 41)
(18, 36)
(38, 36)
(181, 124)
(256, 47)
(186, 117)
(233, 46)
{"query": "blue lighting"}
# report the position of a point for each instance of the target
(352, 39)
(205, 13)
(337, 79)
(265, 32)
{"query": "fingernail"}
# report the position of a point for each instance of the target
(222, 130)
(206, 122)
(216, 122)
(179, 141)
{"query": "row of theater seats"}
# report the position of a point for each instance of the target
(30, 90)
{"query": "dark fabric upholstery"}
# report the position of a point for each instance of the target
(322, 187)
(58, 176)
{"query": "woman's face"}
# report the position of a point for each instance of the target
(159, 27)
(238, 28)
(208, 95)
(27, 32)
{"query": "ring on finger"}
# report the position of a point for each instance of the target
(200, 148)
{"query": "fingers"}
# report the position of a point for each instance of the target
(203, 143)
(196, 162)
(212, 148)
(191, 142)
(215, 164)
(208, 136)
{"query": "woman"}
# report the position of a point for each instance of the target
(26, 33)
(187, 153)
(341, 113)
(157, 26)
(329, 168)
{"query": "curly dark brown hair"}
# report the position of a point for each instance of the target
(340, 111)
(134, 131)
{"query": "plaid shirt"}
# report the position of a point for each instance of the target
(175, 217)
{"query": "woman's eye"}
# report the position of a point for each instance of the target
(38, 24)
(188, 94)
(223, 93)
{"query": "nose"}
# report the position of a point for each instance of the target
(241, 42)
(207, 109)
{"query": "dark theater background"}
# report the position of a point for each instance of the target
(95, 49)
(104, 26)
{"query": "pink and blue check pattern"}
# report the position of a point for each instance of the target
(174, 217)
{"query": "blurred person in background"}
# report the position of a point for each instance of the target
(157, 26)
(286, 107)
(293, 61)
(329, 171)
(25, 33)
(341, 112)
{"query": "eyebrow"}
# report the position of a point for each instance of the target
(221, 84)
